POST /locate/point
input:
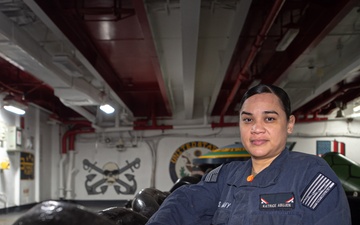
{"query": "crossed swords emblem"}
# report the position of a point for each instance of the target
(120, 184)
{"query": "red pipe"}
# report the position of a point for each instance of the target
(72, 142)
(306, 118)
(78, 128)
(223, 124)
(254, 50)
(78, 122)
(331, 98)
(214, 125)
(71, 135)
(156, 127)
(141, 125)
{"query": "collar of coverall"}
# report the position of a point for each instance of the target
(265, 178)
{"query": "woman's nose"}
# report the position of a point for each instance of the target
(257, 127)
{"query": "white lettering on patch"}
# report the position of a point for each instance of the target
(224, 205)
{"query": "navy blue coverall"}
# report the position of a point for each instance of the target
(296, 188)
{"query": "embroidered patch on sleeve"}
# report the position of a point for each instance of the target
(212, 176)
(316, 191)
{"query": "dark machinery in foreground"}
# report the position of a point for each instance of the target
(348, 172)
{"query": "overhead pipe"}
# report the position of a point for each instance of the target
(254, 50)
(314, 32)
(306, 118)
(141, 125)
(223, 124)
(330, 98)
(84, 123)
(71, 135)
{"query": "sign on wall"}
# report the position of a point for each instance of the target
(26, 166)
(181, 159)
(323, 147)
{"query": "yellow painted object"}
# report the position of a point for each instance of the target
(225, 154)
(5, 165)
(228, 153)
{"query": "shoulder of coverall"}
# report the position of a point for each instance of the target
(307, 158)
(228, 168)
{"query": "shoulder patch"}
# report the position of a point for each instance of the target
(316, 191)
(212, 176)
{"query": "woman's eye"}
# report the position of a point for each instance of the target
(270, 119)
(247, 120)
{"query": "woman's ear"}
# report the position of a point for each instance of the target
(291, 123)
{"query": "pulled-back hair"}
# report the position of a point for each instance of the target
(269, 88)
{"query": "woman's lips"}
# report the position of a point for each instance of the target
(258, 141)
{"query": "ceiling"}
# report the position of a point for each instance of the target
(167, 63)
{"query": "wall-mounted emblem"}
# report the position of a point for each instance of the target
(110, 174)
(181, 161)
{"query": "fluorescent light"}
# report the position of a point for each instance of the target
(354, 115)
(287, 39)
(356, 108)
(17, 106)
(107, 108)
(14, 109)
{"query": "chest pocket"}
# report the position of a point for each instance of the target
(276, 218)
(221, 217)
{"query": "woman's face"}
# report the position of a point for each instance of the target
(264, 126)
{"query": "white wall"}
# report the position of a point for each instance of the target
(36, 135)
(98, 154)
(306, 135)
(15, 190)
(7, 178)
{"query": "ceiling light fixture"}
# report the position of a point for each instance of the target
(287, 39)
(106, 108)
(14, 105)
(354, 115)
(356, 108)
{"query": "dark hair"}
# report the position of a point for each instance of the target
(268, 88)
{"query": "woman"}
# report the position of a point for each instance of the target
(274, 187)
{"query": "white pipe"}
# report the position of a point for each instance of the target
(206, 107)
(37, 156)
(179, 127)
(3, 198)
(69, 176)
(116, 129)
(61, 176)
(117, 119)
(153, 150)
(176, 127)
